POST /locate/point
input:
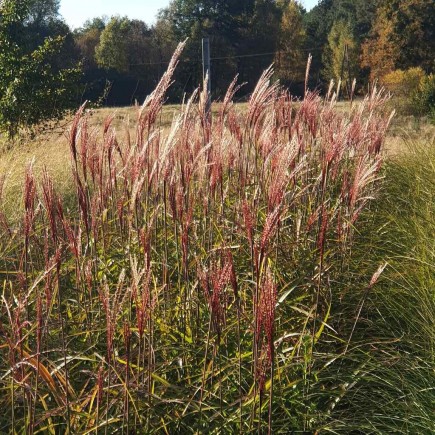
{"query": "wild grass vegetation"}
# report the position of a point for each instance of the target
(393, 343)
(49, 147)
(258, 271)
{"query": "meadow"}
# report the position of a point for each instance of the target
(266, 269)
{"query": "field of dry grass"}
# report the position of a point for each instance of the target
(50, 150)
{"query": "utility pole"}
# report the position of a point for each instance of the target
(349, 75)
(206, 71)
(349, 80)
(342, 71)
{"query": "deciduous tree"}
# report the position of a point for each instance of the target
(124, 44)
(402, 37)
(341, 54)
(34, 84)
(87, 39)
(291, 58)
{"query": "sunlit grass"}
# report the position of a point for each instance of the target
(260, 272)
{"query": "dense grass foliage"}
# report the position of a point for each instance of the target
(387, 376)
(215, 277)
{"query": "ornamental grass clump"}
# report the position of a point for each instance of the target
(188, 288)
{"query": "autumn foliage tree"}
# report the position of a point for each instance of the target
(402, 37)
(87, 39)
(291, 58)
(341, 54)
(379, 53)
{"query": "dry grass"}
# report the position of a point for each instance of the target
(50, 149)
(405, 130)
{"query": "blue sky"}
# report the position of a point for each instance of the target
(76, 12)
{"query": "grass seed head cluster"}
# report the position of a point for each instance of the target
(189, 285)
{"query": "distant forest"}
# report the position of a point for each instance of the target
(122, 59)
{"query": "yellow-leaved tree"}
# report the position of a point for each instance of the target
(402, 37)
(379, 53)
(290, 59)
(340, 57)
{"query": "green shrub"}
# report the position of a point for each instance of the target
(414, 91)
(424, 98)
(33, 87)
(403, 83)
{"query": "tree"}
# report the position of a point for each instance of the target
(34, 87)
(164, 41)
(243, 38)
(43, 11)
(341, 54)
(318, 23)
(402, 37)
(87, 39)
(124, 43)
(130, 59)
(379, 53)
(111, 50)
(413, 31)
(197, 19)
(291, 59)
(358, 14)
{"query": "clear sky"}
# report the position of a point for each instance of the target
(76, 12)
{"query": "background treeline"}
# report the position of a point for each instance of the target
(123, 59)
(361, 39)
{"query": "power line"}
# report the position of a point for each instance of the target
(240, 56)
(308, 50)
(164, 62)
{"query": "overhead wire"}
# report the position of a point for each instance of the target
(239, 56)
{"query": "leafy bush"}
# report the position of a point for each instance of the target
(403, 83)
(413, 89)
(424, 98)
(404, 86)
(33, 88)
